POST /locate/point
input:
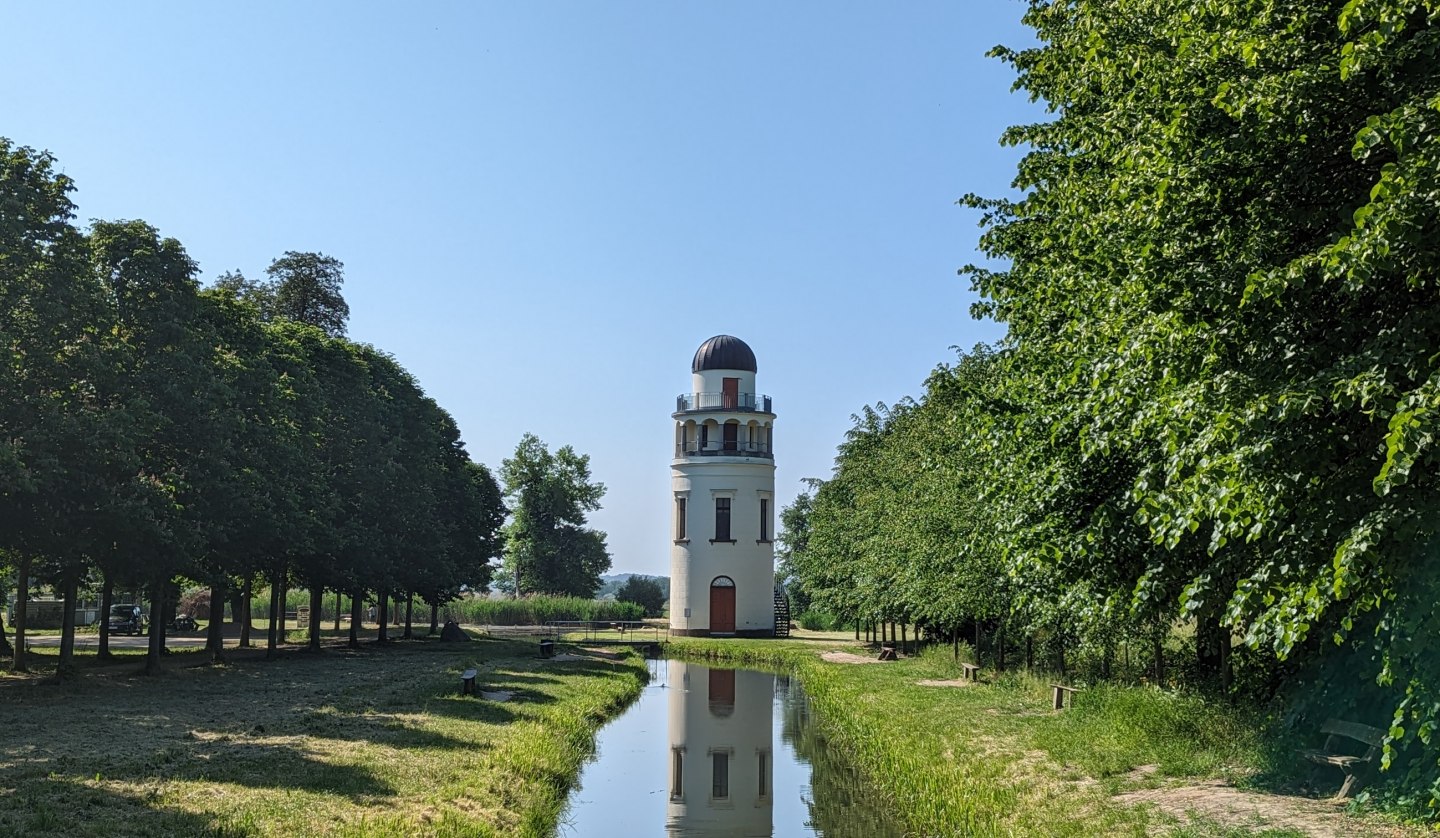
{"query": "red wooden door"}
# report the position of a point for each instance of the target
(722, 608)
(730, 393)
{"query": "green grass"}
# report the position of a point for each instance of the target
(373, 742)
(995, 759)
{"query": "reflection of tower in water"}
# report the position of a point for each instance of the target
(720, 761)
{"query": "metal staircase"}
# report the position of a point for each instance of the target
(782, 612)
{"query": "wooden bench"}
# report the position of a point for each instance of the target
(1061, 692)
(887, 653)
(1357, 768)
(467, 682)
(972, 671)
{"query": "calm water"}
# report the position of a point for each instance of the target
(730, 752)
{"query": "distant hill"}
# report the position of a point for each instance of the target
(610, 584)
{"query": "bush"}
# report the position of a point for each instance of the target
(644, 591)
(818, 621)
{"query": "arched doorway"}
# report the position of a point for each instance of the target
(722, 605)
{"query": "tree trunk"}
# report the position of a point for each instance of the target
(156, 645)
(270, 639)
(215, 629)
(317, 602)
(903, 639)
(381, 613)
(1029, 652)
(434, 619)
(1000, 645)
(857, 629)
(1159, 649)
(356, 603)
(66, 667)
(337, 612)
(409, 608)
(243, 612)
(282, 581)
(22, 613)
(107, 599)
(6, 650)
(239, 606)
(955, 644)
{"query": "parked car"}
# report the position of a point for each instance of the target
(126, 619)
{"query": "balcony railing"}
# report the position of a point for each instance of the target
(757, 402)
(721, 448)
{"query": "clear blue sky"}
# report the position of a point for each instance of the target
(544, 208)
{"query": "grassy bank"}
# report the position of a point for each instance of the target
(994, 758)
(374, 743)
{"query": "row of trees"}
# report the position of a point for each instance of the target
(1217, 400)
(153, 431)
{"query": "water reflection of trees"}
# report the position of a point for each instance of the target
(841, 803)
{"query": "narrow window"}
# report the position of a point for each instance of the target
(722, 519)
(764, 772)
(720, 785)
(764, 519)
(677, 766)
(679, 519)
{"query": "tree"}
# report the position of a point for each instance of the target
(644, 591)
(548, 549)
(792, 543)
(307, 290)
(58, 426)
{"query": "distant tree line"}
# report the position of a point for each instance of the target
(153, 431)
(1218, 400)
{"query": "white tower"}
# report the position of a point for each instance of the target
(722, 563)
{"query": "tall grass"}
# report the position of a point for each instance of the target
(527, 611)
(538, 610)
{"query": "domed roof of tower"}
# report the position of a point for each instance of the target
(723, 352)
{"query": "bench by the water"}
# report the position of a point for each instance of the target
(467, 682)
(972, 671)
(1061, 691)
(1357, 768)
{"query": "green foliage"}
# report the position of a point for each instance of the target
(548, 548)
(645, 591)
(535, 610)
(152, 431)
(1215, 406)
(819, 621)
(305, 288)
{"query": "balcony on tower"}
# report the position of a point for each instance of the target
(727, 400)
(721, 436)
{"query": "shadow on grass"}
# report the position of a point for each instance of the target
(64, 808)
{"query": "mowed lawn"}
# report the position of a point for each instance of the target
(372, 742)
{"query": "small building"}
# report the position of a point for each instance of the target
(722, 559)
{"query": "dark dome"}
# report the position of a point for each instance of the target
(723, 352)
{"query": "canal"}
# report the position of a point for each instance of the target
(723, 752)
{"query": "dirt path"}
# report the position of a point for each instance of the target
(1232, 807)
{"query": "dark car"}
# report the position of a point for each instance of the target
(126, 619)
